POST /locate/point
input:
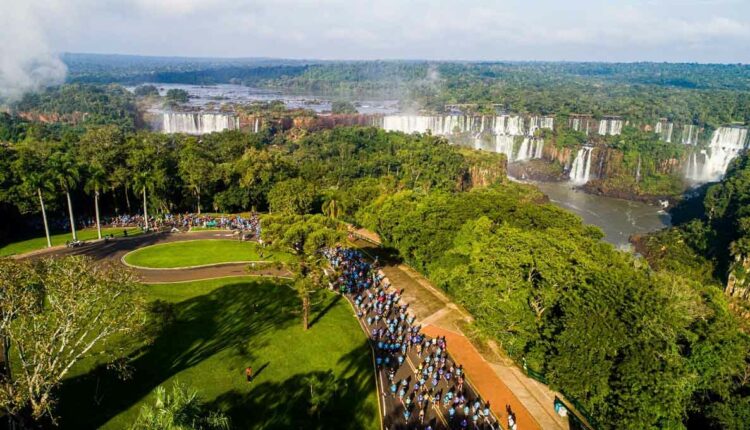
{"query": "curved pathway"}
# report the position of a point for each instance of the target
(115, 249)
(529, 401)
(497, 380)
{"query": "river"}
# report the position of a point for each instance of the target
(618, 219)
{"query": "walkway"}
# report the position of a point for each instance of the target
(497, 379)
(115, 249)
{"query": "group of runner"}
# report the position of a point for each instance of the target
(425, 387)
(181, 222)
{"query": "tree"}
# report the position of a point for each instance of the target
(293, 196)
(146, 91)
(196, 167)
(147, 164)
(177, 95)
(53, 314)
(323, 389)
(306, 235)
(104, 148)
(95, 181)
(333, 206)
(66, 173)
(35, 179)
(343, 107)
(180, 410)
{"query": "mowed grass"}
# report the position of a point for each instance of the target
(219, 328)
(201, 252)
(60, 239)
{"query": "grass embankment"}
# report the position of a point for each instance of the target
(202, 252)
(36, 243)
(218, 328)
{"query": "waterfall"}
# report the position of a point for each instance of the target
(536, 123)
(198, 123)
(539, 151)
(443, 125)
(256, 125)
(610, 126)
(664, 129)
(726, 144)
(531, 148)
(446, 125)
(638, 170)
(579, 124)
(523, 151)
(504, 145)
(580, 170)
(690, 135)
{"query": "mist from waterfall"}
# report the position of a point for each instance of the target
(198, 123)
(710, 165)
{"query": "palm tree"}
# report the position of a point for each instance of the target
(65, 172)
(141, 182)
(178, 410)
(35, 178)
(333, 207)
(96, 181)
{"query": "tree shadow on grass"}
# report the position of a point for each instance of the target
(235, 316)
(286, 404)
(331, 304)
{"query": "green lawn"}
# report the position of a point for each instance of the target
(220, 327)
(60, 239)
(199, 252)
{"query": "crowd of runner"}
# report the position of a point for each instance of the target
(182, 222)
(425, 387)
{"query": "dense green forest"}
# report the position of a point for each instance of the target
(639, 347)
(639, 344)
(685, 93)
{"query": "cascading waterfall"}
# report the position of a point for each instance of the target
(198, 123)
(690, 134)
(579, 124)
(256, 125)
(505, 129)
(610, 126)
(504, 145)
(664, 129)
(580, 170)
(530, 148)
(710, 165)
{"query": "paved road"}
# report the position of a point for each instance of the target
(497, 379)
(114, 250)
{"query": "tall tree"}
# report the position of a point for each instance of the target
(147, 164)
(96, 180)
(66, 172)
(197, 168)
(35, 178)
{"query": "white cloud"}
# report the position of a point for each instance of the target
(618, 30)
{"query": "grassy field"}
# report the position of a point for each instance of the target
(60, 239)
(199, 252)
(219, 328)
